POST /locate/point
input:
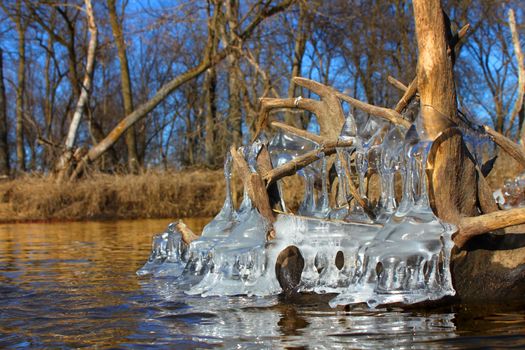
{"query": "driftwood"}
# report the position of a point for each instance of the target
(299, 132)
(255, 187)
(303, 160)
(186, 233)
(396, 83)
(506, 144)
(477, 225)
(410, 92)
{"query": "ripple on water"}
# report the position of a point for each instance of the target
(74, 285)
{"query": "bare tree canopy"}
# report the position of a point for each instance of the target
(182, 80)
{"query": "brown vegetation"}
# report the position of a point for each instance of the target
(148, 195)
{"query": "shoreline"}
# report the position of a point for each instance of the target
(103, 197)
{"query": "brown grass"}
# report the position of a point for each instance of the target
(191, 193)
(102, 196)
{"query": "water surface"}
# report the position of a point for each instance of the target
(69, 285)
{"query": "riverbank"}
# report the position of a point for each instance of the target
(152, 194)
(191, 193)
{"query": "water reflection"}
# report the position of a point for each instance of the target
(74, 285)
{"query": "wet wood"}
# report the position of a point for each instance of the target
(186, 233)
(506, 144)
(254, 185)
(474, 226)
(304, 160)
(299, 132)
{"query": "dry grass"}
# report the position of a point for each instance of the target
(195, 193)
(149, 195)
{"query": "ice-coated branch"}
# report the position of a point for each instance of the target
(354, 191)
(186, 233)
(299, 132)
(396, 83)
(509, 146)
(411, 90)
(382, 112)
(254, 185)
(474, 226)
(304, 160)
(407, 96)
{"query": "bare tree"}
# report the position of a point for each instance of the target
(127, 95)
(4, 150)
(16, 15)
(64, 161)
(265, 10)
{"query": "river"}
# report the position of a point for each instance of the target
(70, 285)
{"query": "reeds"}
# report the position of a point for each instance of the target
(102, 196)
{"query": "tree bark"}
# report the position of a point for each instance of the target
(297, 59)
(21, 30)
(86, 85)
(234, 76)
(64, 163)
(125, 81)
(4, 150)
(453, 167)
(210, 91)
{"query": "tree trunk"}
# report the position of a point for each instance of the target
(141, 111)
(64, 163)
(488, 266)
(452, 166)
(210, 93)
(234, 76)
(21, 29)
(127, 96)
(4, 151)
(298, 52)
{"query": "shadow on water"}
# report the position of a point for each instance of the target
(74, 285)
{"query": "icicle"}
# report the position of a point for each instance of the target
(307, 206)
(341, 209)
(323, 207)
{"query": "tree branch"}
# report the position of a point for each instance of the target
(509, 146)
(299, 132)
(474, 226)
(396, 83)
(254, 185)
(303, 160)
(323, 90)
(518, 104)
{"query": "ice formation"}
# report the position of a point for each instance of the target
(512, 194)
(401, 254)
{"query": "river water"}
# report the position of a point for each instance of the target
(69, 285)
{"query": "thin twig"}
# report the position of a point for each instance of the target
(396, 83)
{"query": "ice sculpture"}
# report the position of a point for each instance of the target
(400, 256)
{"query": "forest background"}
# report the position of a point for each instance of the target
(161, 89)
